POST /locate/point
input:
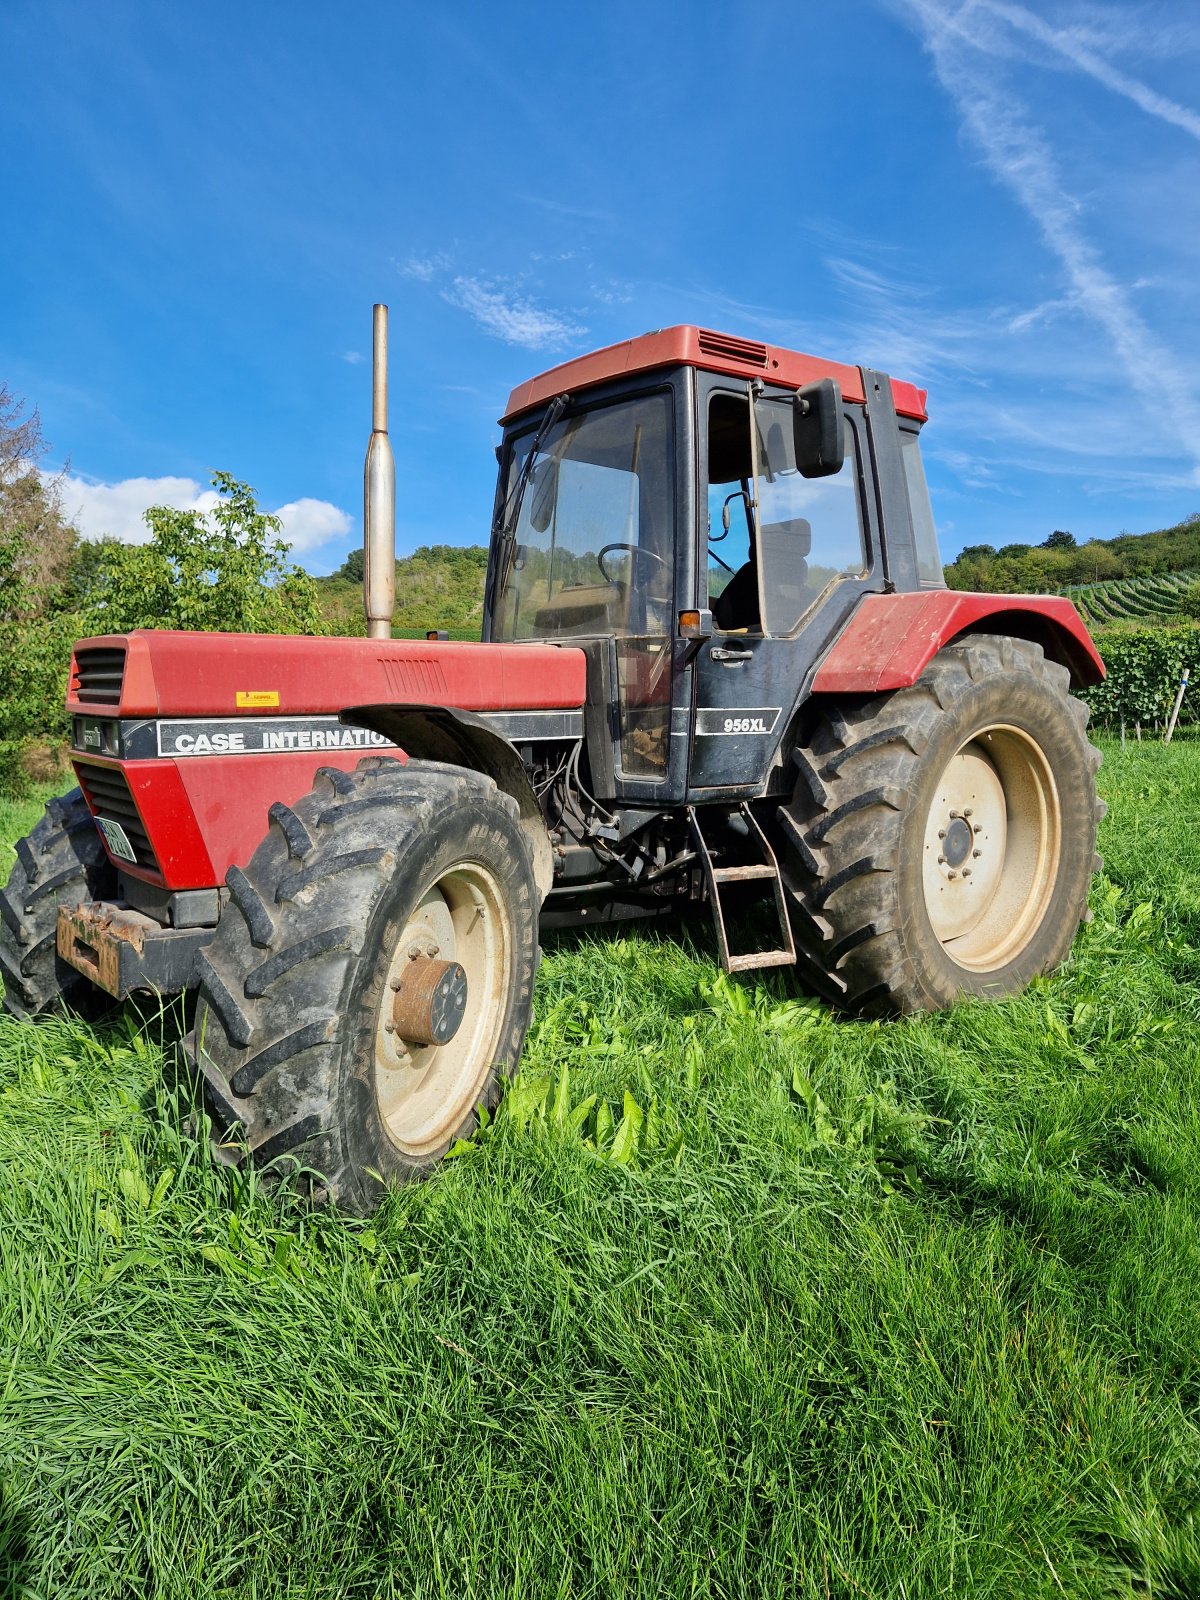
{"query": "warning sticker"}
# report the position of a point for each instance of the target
(248, 699)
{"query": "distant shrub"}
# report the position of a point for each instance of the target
(1144, 668)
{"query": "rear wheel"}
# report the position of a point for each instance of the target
(372, 976)
(61, 863)
(941, 838)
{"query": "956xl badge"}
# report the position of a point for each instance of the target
(714, 721)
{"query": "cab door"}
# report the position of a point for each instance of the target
(786, 560)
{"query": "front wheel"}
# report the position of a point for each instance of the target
(61, 863)
(942, 838)
(371, 978)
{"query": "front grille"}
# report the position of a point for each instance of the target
(98, 674)
(728, 348)
(107, 793)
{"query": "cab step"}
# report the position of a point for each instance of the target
(762, 867)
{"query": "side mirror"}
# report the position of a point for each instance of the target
(819, 429)
(544, 492)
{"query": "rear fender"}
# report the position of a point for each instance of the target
(443, 733)
(892, 638)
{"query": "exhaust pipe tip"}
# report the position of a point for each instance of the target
(379, 496)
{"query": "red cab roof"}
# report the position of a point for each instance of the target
(689, 346)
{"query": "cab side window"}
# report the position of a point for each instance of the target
(776, 540)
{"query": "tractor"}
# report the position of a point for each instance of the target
(719, 665)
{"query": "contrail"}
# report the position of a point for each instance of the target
(1019, 155)
(1069, 44)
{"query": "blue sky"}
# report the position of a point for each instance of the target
(996, 200)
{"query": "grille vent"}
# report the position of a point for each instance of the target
(414, 677)
(98, 675)
(107, 793)
(728, 348)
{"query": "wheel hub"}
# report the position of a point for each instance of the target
(431, 997)
(958, 842)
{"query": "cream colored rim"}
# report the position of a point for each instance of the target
(425, 1091)
(993, 838)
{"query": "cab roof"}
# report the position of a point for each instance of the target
(689, 346)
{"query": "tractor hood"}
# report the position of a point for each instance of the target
(152, 673)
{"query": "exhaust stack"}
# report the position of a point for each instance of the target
(379, 498)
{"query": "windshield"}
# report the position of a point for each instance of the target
(591, 551)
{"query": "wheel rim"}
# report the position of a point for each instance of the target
(992, 843)
(423, 1090)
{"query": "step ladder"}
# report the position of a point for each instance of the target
(764, 869)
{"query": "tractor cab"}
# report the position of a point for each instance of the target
(700, 515)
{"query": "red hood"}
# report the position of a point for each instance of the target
(152, 673)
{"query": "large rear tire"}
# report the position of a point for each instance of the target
(941, 839)
(372, 976)
(62, 862)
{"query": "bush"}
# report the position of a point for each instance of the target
(1144, 668)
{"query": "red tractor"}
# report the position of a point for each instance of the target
(719, 664)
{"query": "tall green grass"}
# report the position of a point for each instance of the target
(796, 1306)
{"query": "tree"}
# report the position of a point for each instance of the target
(226, 571)
(1059, 540)
(352, 568)
(37, 544)
(31, 511)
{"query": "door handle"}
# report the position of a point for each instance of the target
(720, 653)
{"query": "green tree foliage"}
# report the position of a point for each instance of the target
(1060, 561)
(226, 571)
(37, 546)
(438, 586)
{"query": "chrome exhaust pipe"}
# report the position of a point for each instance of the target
(379, 498)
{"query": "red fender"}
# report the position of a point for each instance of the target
(891, 638)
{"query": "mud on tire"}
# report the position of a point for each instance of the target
(370, 872)
(62, 862)
(941, 838)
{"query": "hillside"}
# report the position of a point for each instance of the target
(1061, 563)
(438, 586)
(1136, 577)
(1138, 602)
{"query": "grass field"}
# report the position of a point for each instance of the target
(858, 1310)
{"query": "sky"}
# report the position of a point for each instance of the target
(998, 201)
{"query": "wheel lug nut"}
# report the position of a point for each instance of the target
(977, 854)
(941, 861)
(966, 872)
(968, 811)
(941, 833)
(952, 873)
(977, 827)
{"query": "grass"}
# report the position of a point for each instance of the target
(820, 1308)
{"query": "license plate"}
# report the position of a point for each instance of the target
(116, 839)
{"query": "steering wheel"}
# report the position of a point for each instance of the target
(636, 550)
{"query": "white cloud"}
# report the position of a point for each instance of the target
(425, 268)
(308, 523)
(510, 316)
(118, 510)
(354, 357)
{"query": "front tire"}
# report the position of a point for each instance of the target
(941, 839)
(372, 977)
(61, 863)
